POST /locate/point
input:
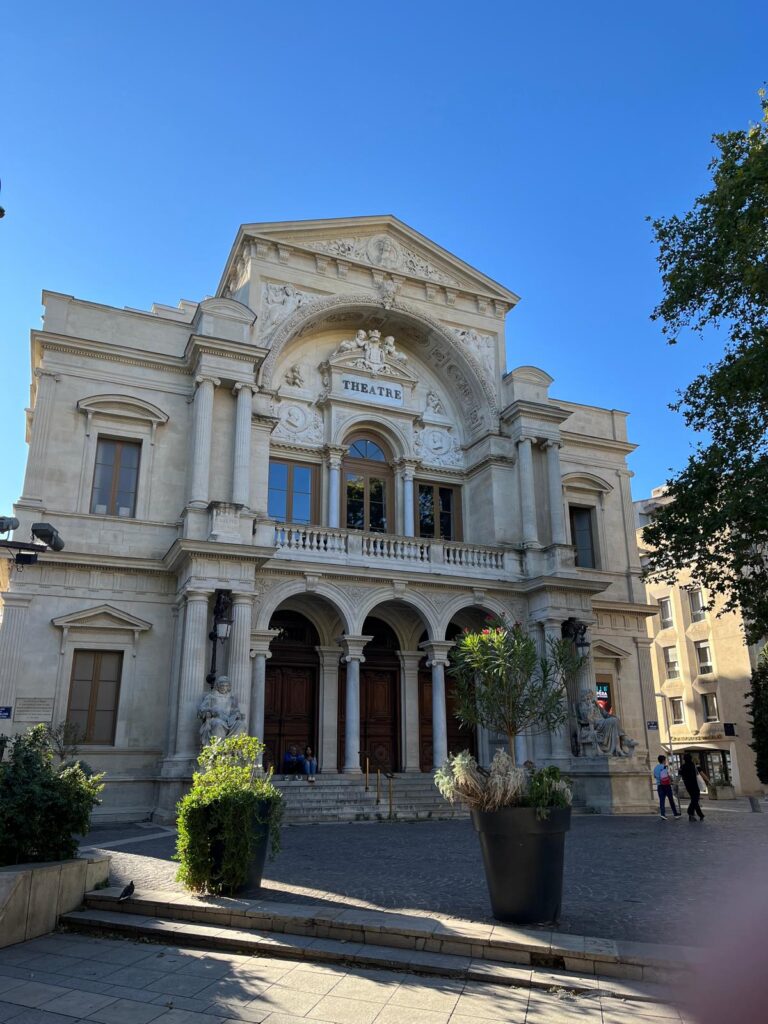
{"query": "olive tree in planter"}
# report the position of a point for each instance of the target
(521, 814)
(229, 819)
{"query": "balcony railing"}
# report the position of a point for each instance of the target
(320, 543)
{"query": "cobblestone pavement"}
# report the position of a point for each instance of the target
(625, 877)
(67, 978)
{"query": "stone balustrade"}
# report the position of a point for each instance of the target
(320, 543)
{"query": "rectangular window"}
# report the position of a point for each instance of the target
(696, 599)
(93, 695)
(115, 478)
(438, 511)
(704, 657)
(292, 496)
(603, 691)
(709, 700)
(678, 712)
(671, 666)
(665, 612)
(582, 536)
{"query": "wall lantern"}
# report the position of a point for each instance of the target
(222, 627)
(576, 631)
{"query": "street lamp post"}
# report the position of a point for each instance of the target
(222, 627)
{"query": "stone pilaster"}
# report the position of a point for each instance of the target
(328, 724)
(555, 488)
(173, 686)
(239, 651)
(260, 640)
(407, 470)
(202, 425)
(527, 492)
(409, 702)
(34, 482)
(241, 470)
(334, 454)
(560, 739)
(353, 656)
(437, 659)
(192, 674)
(12, 630)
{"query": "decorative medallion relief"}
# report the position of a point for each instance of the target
(436, 447)
(298, 424)
(371, 352)
(383, 251)
(481, 347)
(279, 301)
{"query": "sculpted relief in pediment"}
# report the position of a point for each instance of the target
(383, 251)
(279, 301)
(369, 351)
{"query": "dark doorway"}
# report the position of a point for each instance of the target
(379, 700)
(460, 737)
(290, 701)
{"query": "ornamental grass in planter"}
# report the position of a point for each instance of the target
(521, 814)
(229, 819)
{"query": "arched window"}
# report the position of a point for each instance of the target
(367, 495)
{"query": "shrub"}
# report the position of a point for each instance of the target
(505, 784)
(218, 819)
(42, 808)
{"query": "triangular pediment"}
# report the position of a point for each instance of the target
(382, 244)
(603, 649)
(103, 616)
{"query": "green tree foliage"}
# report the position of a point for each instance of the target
(757, 704)
(506, 686)
(714, 265)
(42, 807)
(218, 819)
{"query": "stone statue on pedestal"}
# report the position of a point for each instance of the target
(220, 713)
(600, 732)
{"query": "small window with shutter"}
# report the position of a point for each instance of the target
(93, 695)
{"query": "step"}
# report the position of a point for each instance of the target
(327, 950)
(420, 933)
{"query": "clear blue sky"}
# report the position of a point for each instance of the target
(530, 139)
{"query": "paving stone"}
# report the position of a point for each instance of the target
(491, 1001)
(338, 1010)
(309, 981)
(439, 994)
(77, 1003)
(35, 1016)
(277, 997)
(34, 993)
(130, 992)
(178, 984)
(127, 1011)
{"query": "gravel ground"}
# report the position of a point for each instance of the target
(625, 877)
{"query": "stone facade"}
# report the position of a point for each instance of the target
(231, 446)
(701, 669)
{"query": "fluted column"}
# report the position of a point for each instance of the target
(192, 676)
(560, 739)
(202, 425)
(409, 703)
(409, 527)
(555, 487)
(239, 651)
(173, 686)
(241, 470)
(260, 641)
(334, 454)
(39, 435)
(353, 656)
(527, 492)
(328, 717)
(437, 659)
(643, 647)
(12, 627)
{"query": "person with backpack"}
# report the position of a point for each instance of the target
(663, 778)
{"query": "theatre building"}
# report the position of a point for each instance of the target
(332, 455)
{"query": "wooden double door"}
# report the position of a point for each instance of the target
(379, 715)
(290, 711)
(460, 737)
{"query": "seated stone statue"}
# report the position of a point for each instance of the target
(220, 713)
(600, 732)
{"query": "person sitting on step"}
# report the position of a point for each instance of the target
(309, 764)
(293, 762)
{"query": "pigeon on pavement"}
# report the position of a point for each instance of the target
(127, 892)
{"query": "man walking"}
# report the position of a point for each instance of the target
(689, 773)
(664, 787)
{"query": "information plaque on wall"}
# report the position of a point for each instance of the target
(33, 709)
(5, 711)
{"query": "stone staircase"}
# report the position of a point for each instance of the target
(344, 798)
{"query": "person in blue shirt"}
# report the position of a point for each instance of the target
(293, 762)
(663, 777)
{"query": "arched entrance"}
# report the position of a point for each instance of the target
(367, 496)
(460, 737)
(291, 688)
(379, 699)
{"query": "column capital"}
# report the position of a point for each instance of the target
(407, 467)
(334, 453)
(242, 597)
(436, 652)
(197, 595)
(206, 378)
(243, 386)
(552, 443)
(643, 641)
(352, 646)
(409, 659)
(52, 374)
(527, 438)
(260, 641)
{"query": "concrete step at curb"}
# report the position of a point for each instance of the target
(417, 932)
(296, 947)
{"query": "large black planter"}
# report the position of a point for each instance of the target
(523, 859)
(252, 882)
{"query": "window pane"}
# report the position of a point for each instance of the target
(581, 535)
(277, 497)
(80, 696)
(103, 727)
(109, 667)
(377, 506)
(102, 489)
(83, 665)
(426, 511)
(106, 699)
(129, 456)
(105, 453)
(302, 508)
(302, 479)
(278, 475)
(355, 502)
(365, 449)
